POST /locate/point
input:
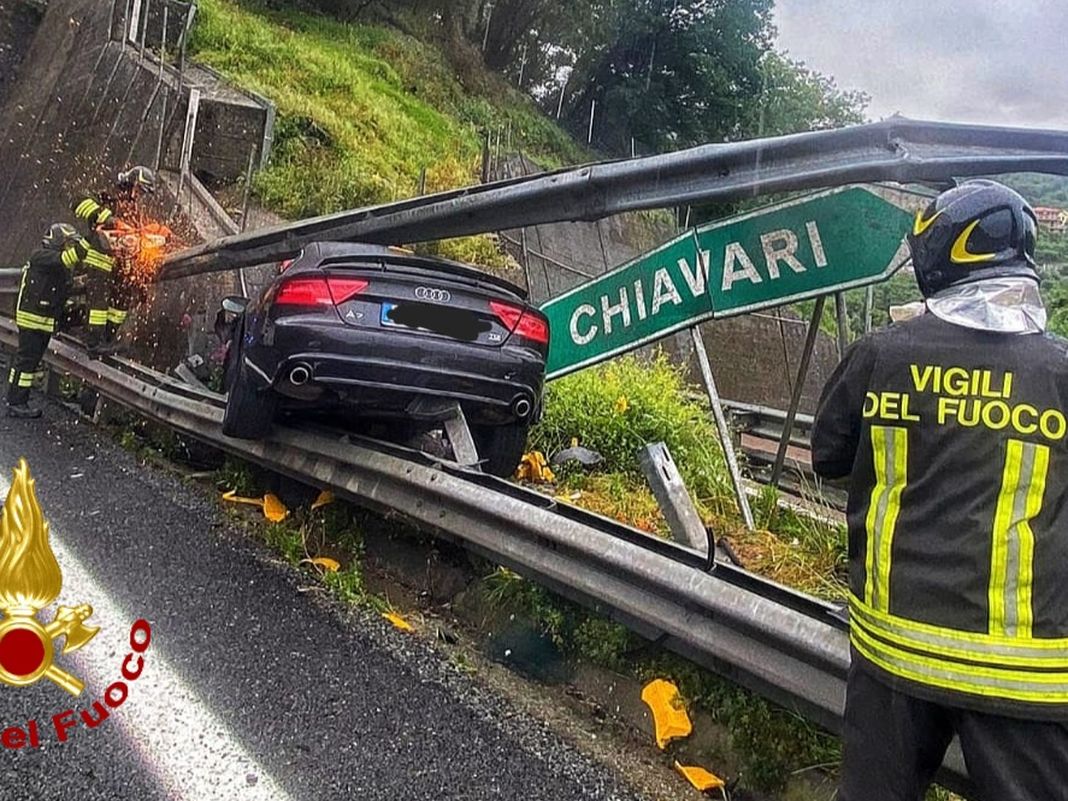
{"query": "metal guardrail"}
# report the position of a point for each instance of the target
(768, 423)
(896, 149)
(10, 277)
(785, 645)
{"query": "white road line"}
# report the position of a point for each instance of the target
(189, 750)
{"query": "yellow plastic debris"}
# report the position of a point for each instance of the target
(233, 497)
(700, 778)
(325, 562)
(273, 509)
(669, 715)
(325, 498)
(397, 621)
(534, 467)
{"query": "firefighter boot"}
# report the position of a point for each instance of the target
(22, 411)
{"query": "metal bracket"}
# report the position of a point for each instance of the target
(185, 372)
(461, 441)
(670, 492)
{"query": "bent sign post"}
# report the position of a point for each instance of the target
(799, 249)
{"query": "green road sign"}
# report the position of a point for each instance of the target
(810, 246)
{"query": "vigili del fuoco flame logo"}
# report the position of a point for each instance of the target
(30, 580)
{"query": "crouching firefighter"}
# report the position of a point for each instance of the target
(107, 288)
(46, 280)
(953, 430)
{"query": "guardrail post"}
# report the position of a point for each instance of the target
(159, 83)
(463, 446)
(799, 386)
(187, 143)
(842, 318)
(724, 428)
(670, 492)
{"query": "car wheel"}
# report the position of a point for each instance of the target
(501, 448)
(249, 411)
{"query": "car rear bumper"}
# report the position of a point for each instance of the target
(393, 374)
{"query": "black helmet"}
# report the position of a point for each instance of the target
(60, 236)
(980, 229)
(138, 177)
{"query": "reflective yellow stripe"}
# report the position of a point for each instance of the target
(890, 460)
(11, 376)
(34, 322)
(1018, 685)
(85, 208)
(95, 258)
(117, 316)
(98, 316)
(69, 257)
(959, 645)
(1023, 483)
(22, 286)
(25, 380)
(103, 216)
(1026, 581)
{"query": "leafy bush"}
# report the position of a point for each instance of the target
(481, 250)
(619, 407)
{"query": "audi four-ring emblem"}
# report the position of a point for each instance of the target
(432, 294)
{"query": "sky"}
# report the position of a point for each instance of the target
(1001, 62)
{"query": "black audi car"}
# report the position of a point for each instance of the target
(377, 332)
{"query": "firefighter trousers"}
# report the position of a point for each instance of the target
(894, 744)
(108, 300)
(26, 364)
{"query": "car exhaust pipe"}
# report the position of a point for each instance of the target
(521, 408)
(299, 375)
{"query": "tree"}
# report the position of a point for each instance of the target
(670, 73)
(794, 98)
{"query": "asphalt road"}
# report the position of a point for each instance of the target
(250, 689)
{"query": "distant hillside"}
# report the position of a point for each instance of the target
(1040, 189)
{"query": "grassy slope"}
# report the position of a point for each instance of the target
(362, 110)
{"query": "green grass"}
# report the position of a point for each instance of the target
(619, 407)
(362, 109)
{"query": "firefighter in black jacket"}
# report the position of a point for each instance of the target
(43, 292)
(107, 293)
(953, 430)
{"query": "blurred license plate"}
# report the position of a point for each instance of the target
(456, 323)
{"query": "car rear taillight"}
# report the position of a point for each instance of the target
(318, 291)
(527, 324)
(342, 289)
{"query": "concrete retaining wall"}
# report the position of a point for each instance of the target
(88, 104)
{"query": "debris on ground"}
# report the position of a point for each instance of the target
(576, 453)
(534, 468)
(700, 778)
(324, 562)
(670, 719)
(273, 508)
(398, 621)
(325, 498)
